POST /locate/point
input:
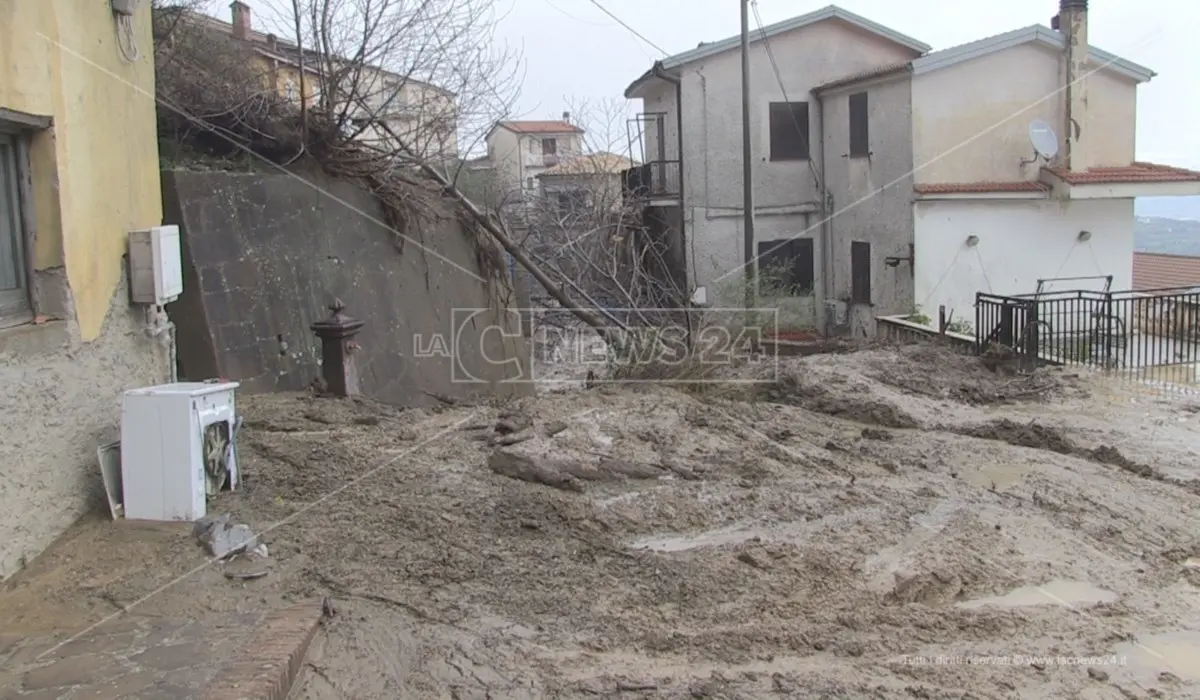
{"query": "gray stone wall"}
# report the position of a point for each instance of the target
(265, 255)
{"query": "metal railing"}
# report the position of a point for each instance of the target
(656, 179)
(1149, 334)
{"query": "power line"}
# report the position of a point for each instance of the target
(631, 30)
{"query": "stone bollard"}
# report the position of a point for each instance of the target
(337, 351)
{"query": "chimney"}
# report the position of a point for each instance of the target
(567, 117)
(241, 19)
(1072, 22)
(272, 42)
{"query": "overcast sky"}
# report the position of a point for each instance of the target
(573, 50)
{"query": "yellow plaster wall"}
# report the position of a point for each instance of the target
(96, 173)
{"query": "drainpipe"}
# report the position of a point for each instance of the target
(659, 72)
(1072, 22)
(825, 212)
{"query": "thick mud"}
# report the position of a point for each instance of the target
(831, 535)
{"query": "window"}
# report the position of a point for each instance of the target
(530, 184)
(789, 130)
(860, 140)
(14, 290)
(860, 272)
(572, 201)
(786, 266)
(549, 147)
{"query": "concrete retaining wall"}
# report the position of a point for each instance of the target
(265, 255)
(899, 330)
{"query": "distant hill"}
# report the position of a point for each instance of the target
(1187, 208)
(1152, 234)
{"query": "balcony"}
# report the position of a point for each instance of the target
(543, 160)
(656, 180)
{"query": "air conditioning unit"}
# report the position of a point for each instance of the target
(177, 449)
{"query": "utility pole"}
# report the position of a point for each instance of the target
(747, 166)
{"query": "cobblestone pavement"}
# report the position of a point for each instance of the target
(132, 656)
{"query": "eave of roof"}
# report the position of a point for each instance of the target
(987, 46)
(545, 127)
(1032, 186)
(885, 71)
(673, 63)
(787, 25)
(1033, 33)
(1137, 172)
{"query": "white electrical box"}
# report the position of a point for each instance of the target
(178, 446)
(155, 265)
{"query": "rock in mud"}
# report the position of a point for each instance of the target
(554, 428)
(535, 470)
(631, 470)
(512, 438)
(513, 423)
(877, 434)
(223, 537)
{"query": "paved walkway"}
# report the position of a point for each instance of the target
(151, 658)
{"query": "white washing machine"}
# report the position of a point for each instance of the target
(178, 447)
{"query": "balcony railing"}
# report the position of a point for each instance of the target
(655, 180)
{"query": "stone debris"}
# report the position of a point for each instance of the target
(567, 474)
(535, 470)
(223, 537)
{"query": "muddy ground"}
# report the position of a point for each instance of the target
(833, 534)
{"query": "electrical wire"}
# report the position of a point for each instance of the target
(630, 29)
(983, 269)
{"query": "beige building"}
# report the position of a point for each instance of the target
(423, 116)
(591, 181)
(519, 151)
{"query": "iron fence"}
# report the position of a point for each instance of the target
(1150, 334)
(656, 179)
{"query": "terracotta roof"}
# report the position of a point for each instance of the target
(876, 72)
(1162, 271)
(980, 187)
(542, 127)
(1135, 172)
(593, 164)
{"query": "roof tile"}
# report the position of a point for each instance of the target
(541, 127)
(1120, 174)
(1162, 271)
(979, 187)
(591, 164)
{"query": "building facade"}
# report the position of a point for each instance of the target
(423, 117)
(908, 178)
(78, 171)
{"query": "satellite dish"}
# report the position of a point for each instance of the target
(1043, 138)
